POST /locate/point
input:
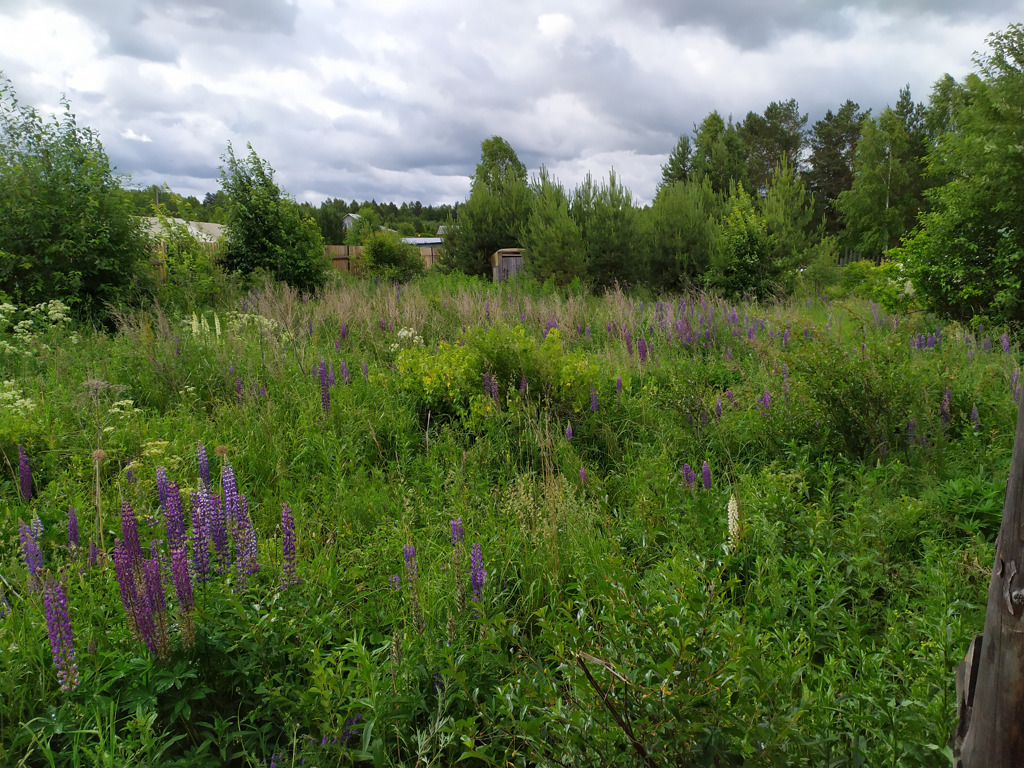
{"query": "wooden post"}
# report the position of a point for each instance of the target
(995, 734)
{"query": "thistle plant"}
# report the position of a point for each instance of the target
(58, 628)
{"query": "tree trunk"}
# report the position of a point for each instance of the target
(995, 735)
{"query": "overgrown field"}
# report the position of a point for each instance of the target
(404, 525)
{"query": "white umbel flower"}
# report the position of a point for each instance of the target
(734, 524)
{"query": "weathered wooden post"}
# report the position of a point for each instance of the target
(990, 682)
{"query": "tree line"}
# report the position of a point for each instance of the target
(409, 219)
(929, 190)
(750, 207)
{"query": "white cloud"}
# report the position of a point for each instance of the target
(555, 26)
(131, 135)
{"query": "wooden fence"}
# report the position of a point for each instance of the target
(341, 255)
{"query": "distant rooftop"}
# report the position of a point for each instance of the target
(203, 231)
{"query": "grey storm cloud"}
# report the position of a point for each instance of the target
(753, 24)
(392, 100)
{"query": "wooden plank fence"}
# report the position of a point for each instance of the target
(340, 256)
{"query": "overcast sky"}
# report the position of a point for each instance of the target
(390, 99)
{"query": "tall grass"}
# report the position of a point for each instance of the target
(615, 624)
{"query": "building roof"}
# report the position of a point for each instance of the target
(423, 240)
(203, 231)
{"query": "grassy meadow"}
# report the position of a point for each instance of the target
(418, 524)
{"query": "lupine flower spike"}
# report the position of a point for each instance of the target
(58, 628)
(288, 547)
(24, 475)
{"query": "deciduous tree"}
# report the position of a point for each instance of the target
(265, 228)
(67, 227)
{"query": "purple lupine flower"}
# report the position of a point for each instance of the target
(182, 579)
(288, 547)
(412, 570)
(523, 384)
(30, 548)
(330, 375)
(457, 533)
(618, 384)
(170, 505)
(975, 419)
(593, 398)
(72, 527)
(477, 574)
(764, 402)
(731, 398)
(568, 431)
(785, 339)
(395, 581)
(944, 406)
(487, 382)
(202, 516)
(343, 367)
(688, 476)
(785, 382)
(705, 474)
(325, 393)
(58, 628)
(247, 560)
(629, 343)
(350, 731)
(130, 535)
(344, 331)
(583, 474)
(127, 582)
(1005, 339)
(94, 554)
(217, 525)
(986, 343)
(204, 465)
(24, 475)
(641, 349)
(366, 371)
(239, 390)
(494, 389)
(337, 344)
(154, 603)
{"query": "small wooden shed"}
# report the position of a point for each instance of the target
(506, 262)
